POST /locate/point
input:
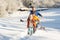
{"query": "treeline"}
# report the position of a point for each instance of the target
(42, 3)
(8, 6)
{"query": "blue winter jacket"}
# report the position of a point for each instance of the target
(36, 13)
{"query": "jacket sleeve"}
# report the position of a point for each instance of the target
(28, 22)
(39, 14)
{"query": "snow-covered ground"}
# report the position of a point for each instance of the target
(12, 29)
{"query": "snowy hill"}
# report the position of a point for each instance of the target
(12, 29)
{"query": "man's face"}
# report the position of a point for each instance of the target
(33, 9)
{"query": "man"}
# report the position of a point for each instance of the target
(33, 18)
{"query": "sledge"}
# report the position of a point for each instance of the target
(30, 29)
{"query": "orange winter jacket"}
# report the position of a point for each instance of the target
(33, 20)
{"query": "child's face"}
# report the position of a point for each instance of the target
(34, 14)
